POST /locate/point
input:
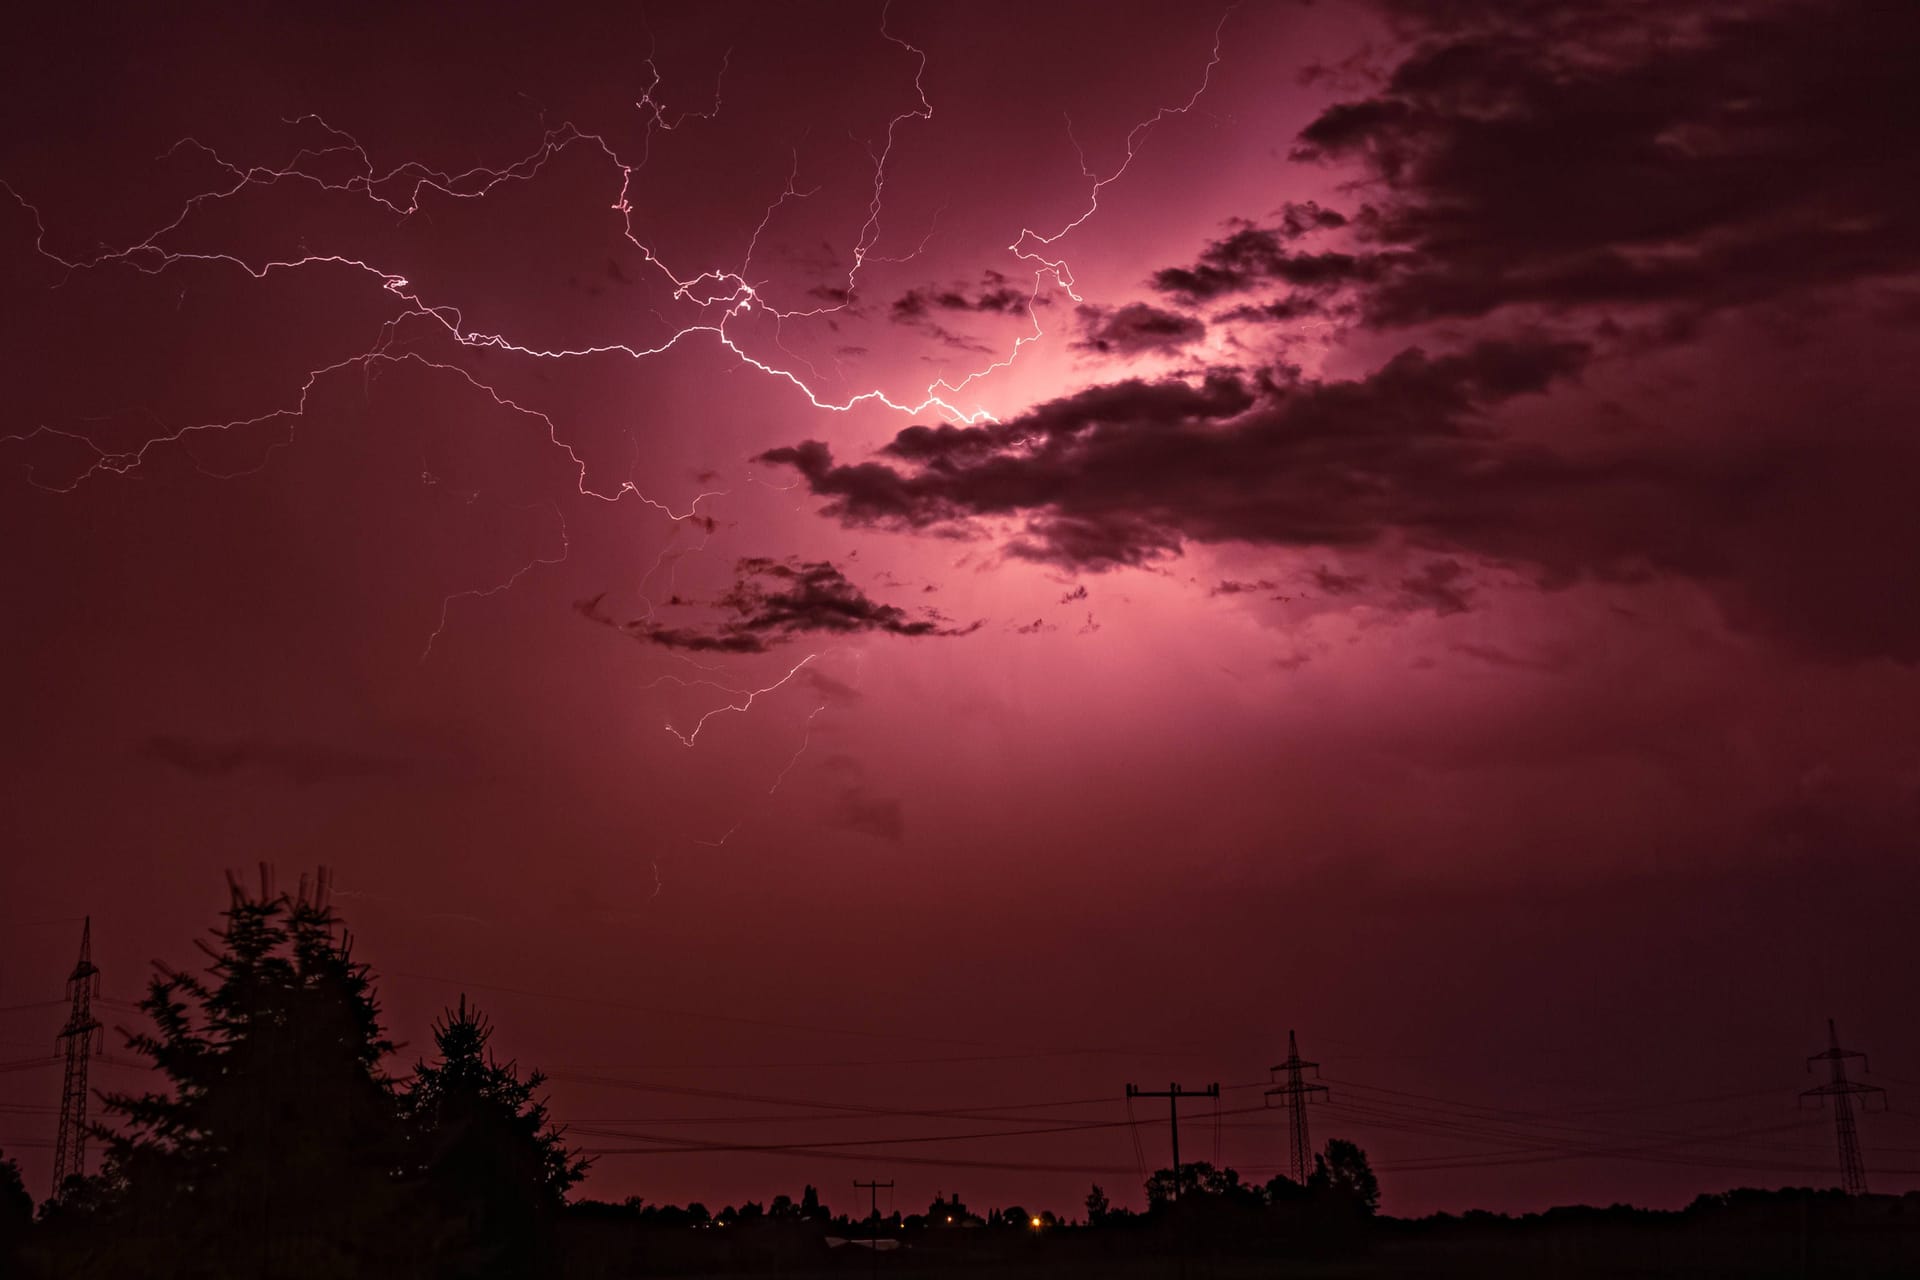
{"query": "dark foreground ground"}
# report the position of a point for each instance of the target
(1819, 1236)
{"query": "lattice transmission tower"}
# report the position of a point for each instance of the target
(1298, 1092)
(70, 1151)
(1853, 1170)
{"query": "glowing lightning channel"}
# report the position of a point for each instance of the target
(728, 291)
(1061, 273)
(719, 296)
(480, 593)
(688, 739)
(806, 737)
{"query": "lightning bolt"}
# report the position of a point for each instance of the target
(332, 162)
(1027, 244)
(481, 593)
(748, 696)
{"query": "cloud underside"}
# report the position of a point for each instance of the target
(773, 602)
(1559, 191)
(1579, 155)
(301, 763)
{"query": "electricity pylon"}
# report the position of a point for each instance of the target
(70, 1151)
(1298, 1093)
(1853, 1171)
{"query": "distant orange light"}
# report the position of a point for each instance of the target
(1036, 1222)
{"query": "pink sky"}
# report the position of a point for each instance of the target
(1505, 679)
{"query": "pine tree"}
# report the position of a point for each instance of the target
(275, 1148)
(481, 1140)
(16, 1213)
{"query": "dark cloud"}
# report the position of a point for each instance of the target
(995, 294)
(1294, 306)
(1126, 473)
(1114, 406)
(775, 601)
(1337, 584)
(1678, 165)
(302, 763)
(1254, 256)
(1495, 656)
(822, 683)
(1236, 587)
(878, 816)
(1136, 328)
(1440, 585)
(1674, 158)
(1251, 255)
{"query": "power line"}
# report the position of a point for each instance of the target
(772, 1024)
(680, 1144)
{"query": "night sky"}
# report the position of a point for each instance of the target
(954, 557)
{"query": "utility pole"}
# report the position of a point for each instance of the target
(70, 1151)
(873, 1215)
(1298, 1093)
(1173, 1093)
(1853, 1172)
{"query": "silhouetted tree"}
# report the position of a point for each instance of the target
(1343, 1176)
(274, 1148)
(810, 1206)
(1098, 1206)
(490, 1160)
(1199, 1180)
(1282, 1190)
(16, 1214)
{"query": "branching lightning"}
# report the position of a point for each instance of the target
(333, 162)
(748, 696)
(481, 593)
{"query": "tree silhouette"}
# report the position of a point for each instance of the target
(1343, 1176)
(481, 1139)
(273, 1150)
(1199, 1181)
(16, 1212)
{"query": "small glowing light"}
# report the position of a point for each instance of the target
(1036, 1222)
(949, 1217)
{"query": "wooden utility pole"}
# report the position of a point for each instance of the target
(1173, 1093)
(873, 1216)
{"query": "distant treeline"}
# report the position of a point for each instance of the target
(280, 1146)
